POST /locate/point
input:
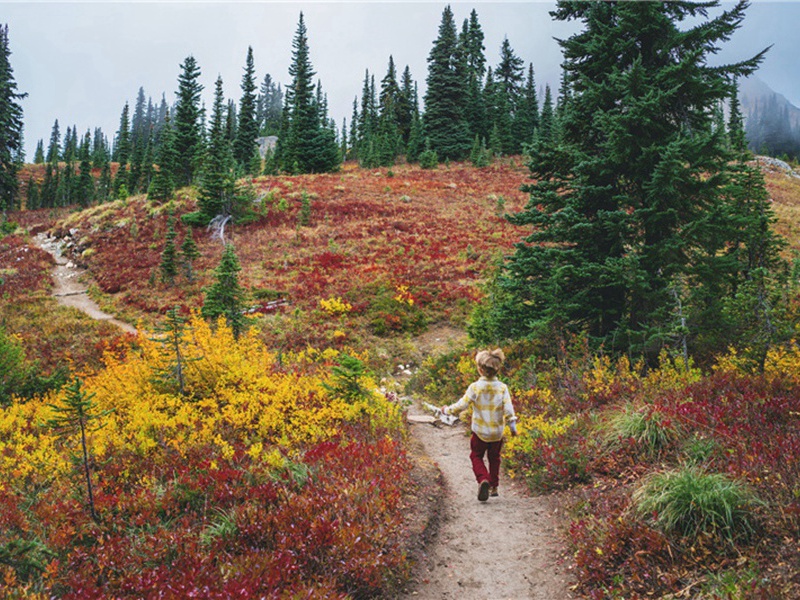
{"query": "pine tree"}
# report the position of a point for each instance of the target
(245, 146)
(736, 135)
(305, 144)
(54, 147)
(546, 132)
(446, 97)
(169, 265)
(189, 254)
(78, 413)
(38, 155)
(225, 297)
(406, 105)
(188, 141)
(629, 213)
(217, 184)
(527, 117)
(122, 150)
(163, 185)
(85, 183)
(508, 89)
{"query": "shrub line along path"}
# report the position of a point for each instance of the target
(504, 549)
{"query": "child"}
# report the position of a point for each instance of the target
(491, 405)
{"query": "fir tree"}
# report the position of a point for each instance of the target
(189, 254)
(629, 210)
(245, 147)
(508, 89)
(217, 183)
(446, 97)
(306, 144)
(38, 155)
(736, 134)
(85, 183)
(168, 265)
(188, 141)
(122, 149)
(54, 147)
(527, 117)
(78, 413)
(546, 132)
(225, 297)
(406, 105)
(171, 339)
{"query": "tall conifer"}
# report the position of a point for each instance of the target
(630, 214)
(445, 119)
(245, 146)
(188, 123)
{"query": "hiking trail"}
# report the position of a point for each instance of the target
(506, 548)
(68, 288)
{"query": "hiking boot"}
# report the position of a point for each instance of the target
(493, 492)
(483, 491)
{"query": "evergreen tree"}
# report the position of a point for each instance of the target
(269, 107)
(122, 150)
(100, 151)
(245, 147)
(736, 134)
(163, 185)
(306, 144)
(189, 254)
(54, 148)
(169, 265)
(85, 183)
(527, 117)
(630, 216)
(38, 155)
(446, 97)
(406, 105)
(217, 185)
(226, 297)
(508, 89)
(188, 141)
(546, 132)
(70, 145)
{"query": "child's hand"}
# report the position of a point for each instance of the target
(513, 427)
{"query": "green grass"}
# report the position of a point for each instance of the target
(690, 502)
(651, 430)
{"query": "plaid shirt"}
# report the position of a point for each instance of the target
(491, 403)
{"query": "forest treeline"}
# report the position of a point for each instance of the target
(471, 110)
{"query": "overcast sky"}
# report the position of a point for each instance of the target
(80, 62)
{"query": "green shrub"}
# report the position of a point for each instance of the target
(689, 502)
(429, 159)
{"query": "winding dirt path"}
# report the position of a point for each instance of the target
(68, 288)
(505, 548)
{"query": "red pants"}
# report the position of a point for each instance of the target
(478, 448)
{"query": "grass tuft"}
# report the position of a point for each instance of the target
(690, 502)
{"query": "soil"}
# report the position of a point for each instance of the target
(69, 286)
(505, 548)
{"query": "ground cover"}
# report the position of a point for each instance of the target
(379, 257)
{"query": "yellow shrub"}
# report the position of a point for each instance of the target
(234, 396)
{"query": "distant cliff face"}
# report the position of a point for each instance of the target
(772, 123)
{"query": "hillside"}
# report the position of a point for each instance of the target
(379, 272)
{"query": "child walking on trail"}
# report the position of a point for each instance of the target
(491, 407)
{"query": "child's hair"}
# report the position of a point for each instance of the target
(489, 363)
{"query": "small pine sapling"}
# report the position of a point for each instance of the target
(189, 253)
(77, 413)
(168, 266)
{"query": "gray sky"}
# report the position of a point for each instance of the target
(80, 62)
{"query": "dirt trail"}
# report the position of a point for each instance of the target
(505, 548)
(68, 288)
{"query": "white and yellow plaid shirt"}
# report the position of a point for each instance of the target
(491, 405)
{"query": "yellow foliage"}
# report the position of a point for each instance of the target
(403, 296)
(235, 396)
(782, 361)
(335, 306)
